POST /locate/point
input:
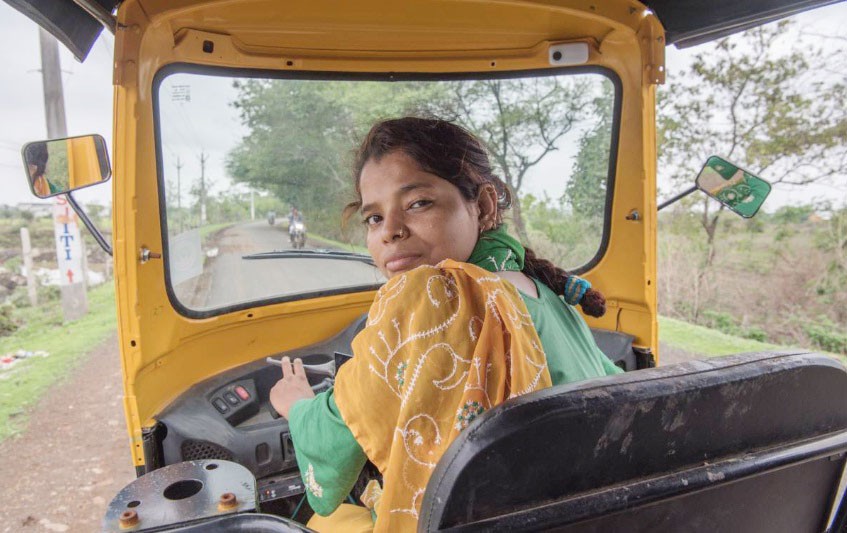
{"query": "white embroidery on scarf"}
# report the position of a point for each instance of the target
(534, 383)
(407, 434)
(388, 292)
(311, 483)
(473, 372)
(474, 335)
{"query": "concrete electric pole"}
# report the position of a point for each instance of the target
(203, 158)
(65, 227)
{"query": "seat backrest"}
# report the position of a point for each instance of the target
(754, 442)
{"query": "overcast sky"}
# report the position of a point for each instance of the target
(88, 99)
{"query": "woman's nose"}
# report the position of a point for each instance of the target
(393, 228)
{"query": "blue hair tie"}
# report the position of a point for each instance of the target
(575, 289)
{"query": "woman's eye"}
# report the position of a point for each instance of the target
(419, 203)
(371, 220)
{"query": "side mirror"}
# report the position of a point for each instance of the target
(60, 166)
(735, 188)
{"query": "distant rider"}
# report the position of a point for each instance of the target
(293, 217)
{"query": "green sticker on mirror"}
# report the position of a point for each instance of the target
(737, 189)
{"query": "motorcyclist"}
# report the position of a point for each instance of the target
(294, 216)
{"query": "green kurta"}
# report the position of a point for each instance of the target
(321, 438)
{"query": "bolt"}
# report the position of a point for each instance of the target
(227, 502)
(128, 519)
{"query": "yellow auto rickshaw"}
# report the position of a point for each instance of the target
(218, 101)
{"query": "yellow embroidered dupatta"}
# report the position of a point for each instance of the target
(442, 345)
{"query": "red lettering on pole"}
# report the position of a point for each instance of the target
(70, 275)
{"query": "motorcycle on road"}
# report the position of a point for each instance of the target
(297, 235)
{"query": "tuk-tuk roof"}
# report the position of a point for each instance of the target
(686, 22)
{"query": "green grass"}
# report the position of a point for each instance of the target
(337, 244)
(204, 231)
(710, 342)
(22, 385)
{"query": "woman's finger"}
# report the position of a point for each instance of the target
(287, 371)
(298, 367)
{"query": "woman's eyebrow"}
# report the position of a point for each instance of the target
(412, 186)
(402, 190)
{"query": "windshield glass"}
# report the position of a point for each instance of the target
(252, 165)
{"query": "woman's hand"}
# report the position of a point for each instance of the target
(292, 387)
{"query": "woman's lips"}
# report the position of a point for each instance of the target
(401, 262)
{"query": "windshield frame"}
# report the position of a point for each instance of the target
(234, 72)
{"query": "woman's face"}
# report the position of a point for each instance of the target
(413, 217)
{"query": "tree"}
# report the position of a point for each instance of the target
(832, 279)
(586, 190)
(302, 134)
(759, 108)
(520, 121)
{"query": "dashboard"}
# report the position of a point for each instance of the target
(229, 417)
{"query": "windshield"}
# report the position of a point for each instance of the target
(251, 165)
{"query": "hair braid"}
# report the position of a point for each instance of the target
(593, 302)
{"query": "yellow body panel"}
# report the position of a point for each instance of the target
(83, 163)
(163, 352)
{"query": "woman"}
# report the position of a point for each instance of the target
(463, 323)
(36, 157)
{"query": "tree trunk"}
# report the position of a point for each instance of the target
(710, 226)
(517, 216)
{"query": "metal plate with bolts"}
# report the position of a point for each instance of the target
(181, 493)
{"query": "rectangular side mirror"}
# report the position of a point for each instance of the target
(734, 187)
(62, 165)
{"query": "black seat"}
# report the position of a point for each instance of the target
(754, 442)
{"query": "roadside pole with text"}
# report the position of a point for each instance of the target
(69, 254)
(65, 227)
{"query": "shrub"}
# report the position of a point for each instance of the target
(8, 324)
(13, 264)
(48, 293)
(825, 335)
(720, 321)
(755, 333)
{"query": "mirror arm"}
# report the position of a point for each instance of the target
(90, 225)
(676, 198)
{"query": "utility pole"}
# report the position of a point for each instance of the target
(179, 192)
(65, 227)
(252, 206)
(203, 159)
(51, 77)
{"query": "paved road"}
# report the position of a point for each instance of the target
(230, 279)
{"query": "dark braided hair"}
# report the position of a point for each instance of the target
(37, 155)
(456, 155)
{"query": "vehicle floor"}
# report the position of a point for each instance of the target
(61, 472)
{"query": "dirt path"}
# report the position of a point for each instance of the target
(73, 457)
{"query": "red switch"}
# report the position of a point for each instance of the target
(242, 393)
